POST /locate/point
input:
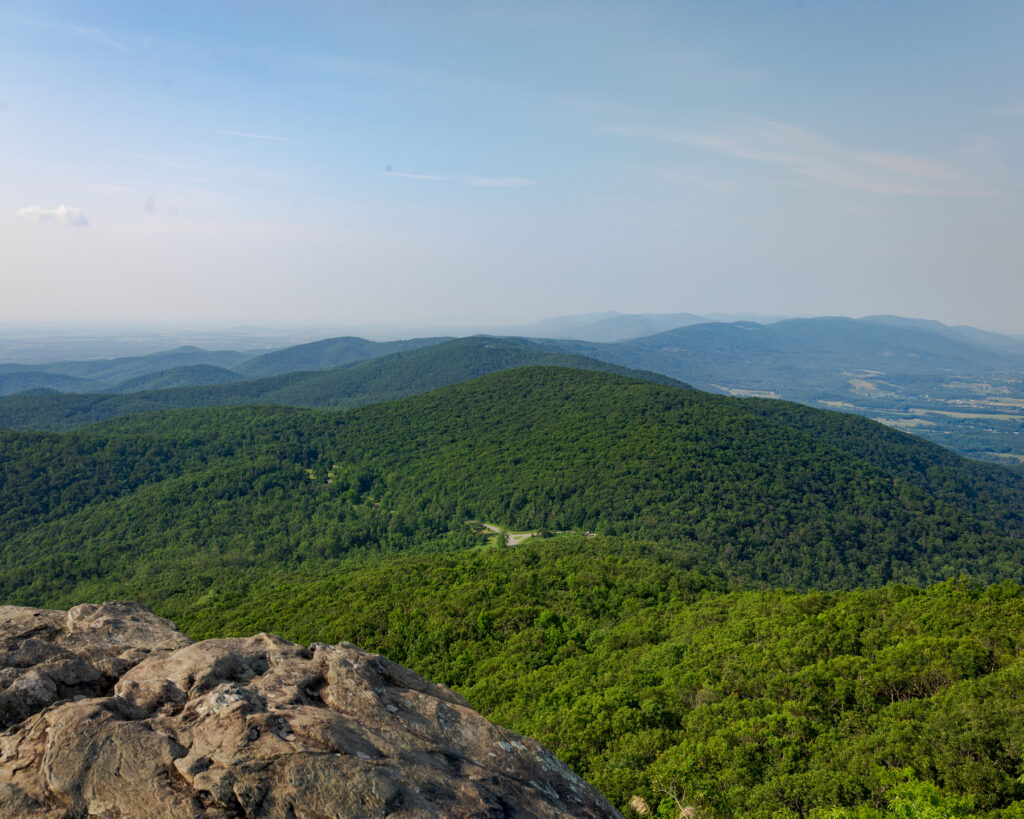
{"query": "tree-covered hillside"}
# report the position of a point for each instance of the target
(839, 502)
(648, 678)
(179, 367)
(14, 380)
(802, 358)
(959, 387)
(193, 375)
(113, 371)
(326, 354)
(653, 657)
(383, 378)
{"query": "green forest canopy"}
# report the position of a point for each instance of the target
(646, 676)
(654, 656)
(755, 492)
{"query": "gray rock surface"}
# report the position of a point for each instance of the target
(109, 711)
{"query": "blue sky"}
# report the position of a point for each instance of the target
(386, 162)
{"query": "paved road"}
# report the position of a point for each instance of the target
(510, 539)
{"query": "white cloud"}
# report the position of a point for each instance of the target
(61, 215)
(817, 157)
(501, 182)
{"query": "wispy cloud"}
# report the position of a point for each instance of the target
(394, 73)
(268, 137)
(202, 172)
(405, 175)
(161, 160)
(1015, 110)
(817, 157)
(100, 37)
(95, 35)
(62, 215)
(984, 157)
(690, 179)
(474, 181)
(501, 182)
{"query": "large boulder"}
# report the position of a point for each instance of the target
(111, 712)
(50, 656)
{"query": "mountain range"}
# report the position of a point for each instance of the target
(759, 492)
(770, 607)
(958, 386)
(419, 369)
(803, 358)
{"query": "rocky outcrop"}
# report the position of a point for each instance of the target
(109, 711)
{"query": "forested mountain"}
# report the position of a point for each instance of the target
(326, 354)
(192, 367)
(120, 374)
(358, 384)
(957, 386)
(650, 679)
(15, 379)
(608, 327)
(960, 389)
(652, 657)
(113, 371)
(756, 492)
(986, 338)
(195, 375)
(804, 358)
(612, 325)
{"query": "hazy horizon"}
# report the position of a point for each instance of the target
(47, 342)
(468, 163)
(114, 328)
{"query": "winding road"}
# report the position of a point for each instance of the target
(511, 538)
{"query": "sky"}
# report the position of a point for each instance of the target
(354, 163)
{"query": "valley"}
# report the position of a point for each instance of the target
(774, 608)
(751, 603)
